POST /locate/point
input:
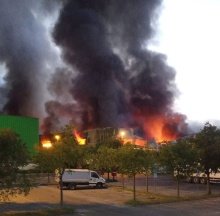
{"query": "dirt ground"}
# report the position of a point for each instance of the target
(113, 195)
(90, 201)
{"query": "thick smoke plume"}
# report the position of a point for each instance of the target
(119, 81)
(108, 77)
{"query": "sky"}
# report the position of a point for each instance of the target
(188, 33)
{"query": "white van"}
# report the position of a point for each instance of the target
(73, 177)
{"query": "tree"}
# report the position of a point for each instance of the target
(180, 158)
(104, 160)
(131, 161)
(44, 158)
(62, 155)
(13, 154)
(148, 164)
(105, 152)
(111, 142)
(207, 142)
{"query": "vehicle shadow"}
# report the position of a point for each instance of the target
(86, 188)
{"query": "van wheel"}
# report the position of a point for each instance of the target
(196, 180)
(71, 186)
(203, 181)
(99, 185)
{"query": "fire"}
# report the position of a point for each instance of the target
(46, 144)
(80, 140)
(127, 136)
(164, 128)
(155, 131)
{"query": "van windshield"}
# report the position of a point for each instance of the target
(94, 175)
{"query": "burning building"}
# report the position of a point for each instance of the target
(129, 136)
(100, 135)
(103, 135)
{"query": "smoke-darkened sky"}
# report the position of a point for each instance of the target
(87, 62)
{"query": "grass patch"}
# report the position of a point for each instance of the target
(135, 202)
(43, 212)
(150, 198)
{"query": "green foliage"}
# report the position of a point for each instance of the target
(104, 159)
(111, 143)
(149, 161)
(13, 154)
(63, 153)
(180, 156)
(45, 159)
(207, 142)
(132, 161)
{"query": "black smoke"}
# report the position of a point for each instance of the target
(119, 82)
(108, 77)
(82, 33)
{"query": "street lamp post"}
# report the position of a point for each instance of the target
(61, 171)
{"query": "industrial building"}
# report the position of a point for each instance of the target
(127, 135)
(99, 135)
(26, 127)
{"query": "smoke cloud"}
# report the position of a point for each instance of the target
(108, 77)
(26, 53)
(119, 81)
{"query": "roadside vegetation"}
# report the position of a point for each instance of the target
(151, 198)
(13, 154)
(181, 158)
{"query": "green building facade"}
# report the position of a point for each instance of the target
(26, 127)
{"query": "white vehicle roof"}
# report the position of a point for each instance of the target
(80, 170)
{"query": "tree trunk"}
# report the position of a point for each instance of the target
(113, 176)
(178, 184)
(147, 182)
(209, 192)
(123, 181)
(134, 186)
(48, 177)
(61, 190)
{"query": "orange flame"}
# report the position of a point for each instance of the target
(80, 140)
(163, 128)
(46, 144)
(155, 130)
(126, 136)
